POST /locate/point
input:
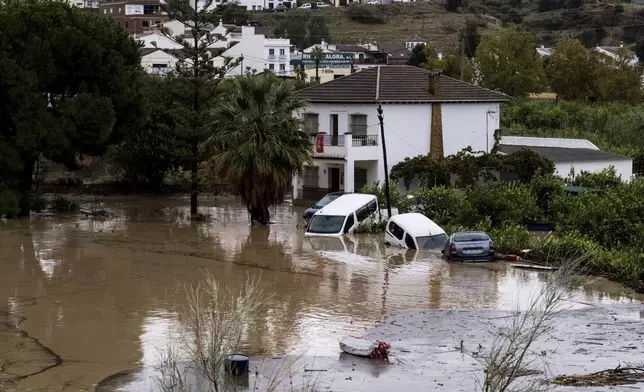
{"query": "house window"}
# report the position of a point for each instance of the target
(271, 66)
(126, 24)
(282, 52)
(159, 65)
(282, 67)
(310, 177)
(145, 23)
(312, 123)
(359, 124)
(149, 9)
(271, 52)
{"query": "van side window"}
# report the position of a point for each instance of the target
(396, 230)
(363, 213)
(409, 242)
(349, 224)
(372, 206)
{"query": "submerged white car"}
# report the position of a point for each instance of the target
(414, 231)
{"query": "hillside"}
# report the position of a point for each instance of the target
(595, 22)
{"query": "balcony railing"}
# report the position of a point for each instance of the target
(364, 140)
(271, 56)
(330, 140)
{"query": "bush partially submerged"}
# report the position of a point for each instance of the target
(63, 205)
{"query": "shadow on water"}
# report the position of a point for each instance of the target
(116, 287)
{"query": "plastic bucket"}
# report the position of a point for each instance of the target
(237, 364)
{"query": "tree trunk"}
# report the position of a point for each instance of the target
(194, 178)
(24, 187)
(259, 215)
(317, 67)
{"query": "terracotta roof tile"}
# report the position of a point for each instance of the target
(397, 83)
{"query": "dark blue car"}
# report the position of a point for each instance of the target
(321, 203)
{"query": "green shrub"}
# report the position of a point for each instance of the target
(557, 248)
(397, 199)
(613, 218)
(504, 202)
(63, 205)
(364, 14)
(38, 204)
(546, 189)
(511, 238)
(607, 178)
(9, 204)
(444, 205)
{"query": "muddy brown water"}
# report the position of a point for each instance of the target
(82, 299)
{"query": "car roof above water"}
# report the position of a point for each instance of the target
(417, 225)
(346, 204)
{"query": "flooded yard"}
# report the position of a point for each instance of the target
(95, 298)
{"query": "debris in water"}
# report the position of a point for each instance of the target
(365, 348)
(610, 377)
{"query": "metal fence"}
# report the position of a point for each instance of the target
(331, 140)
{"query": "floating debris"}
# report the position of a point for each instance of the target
(609, 377)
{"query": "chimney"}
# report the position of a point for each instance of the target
(435, 83)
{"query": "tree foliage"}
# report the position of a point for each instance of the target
(69, 85)
(303, 28)
(193, 84)
(577, 73)
(508, 62)
(449, 63)
(418, 56)
(470, 167)
(260, 145)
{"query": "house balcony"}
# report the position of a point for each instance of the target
(358, 147)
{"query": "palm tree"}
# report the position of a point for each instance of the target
(260, 143)
(317, 55)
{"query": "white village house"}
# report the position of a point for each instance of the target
(160, 53)
(570, 155)
(424, 111)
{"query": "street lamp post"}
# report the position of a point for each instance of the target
(487, 127)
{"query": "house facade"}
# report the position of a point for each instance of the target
(570, 155)
(424, 113)
(255, 51)
(136, 16)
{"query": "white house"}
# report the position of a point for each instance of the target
(343, 121)
(615, 52)
(158, 61)
(570, 155)
(413, 42)
(237, 42)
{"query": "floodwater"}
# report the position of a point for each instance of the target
(95, 298)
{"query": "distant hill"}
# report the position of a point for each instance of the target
(594, 22)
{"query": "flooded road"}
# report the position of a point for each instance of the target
(103, 296)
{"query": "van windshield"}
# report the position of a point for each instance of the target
(432, 241)
(326, 224)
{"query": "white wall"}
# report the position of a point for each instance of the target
(251, 47)
(157, 57)
(464, 124)
(623, 168)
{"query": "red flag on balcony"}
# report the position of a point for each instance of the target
(319, 143)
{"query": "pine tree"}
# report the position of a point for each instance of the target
(194, 82)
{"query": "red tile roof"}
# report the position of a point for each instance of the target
(397, 83)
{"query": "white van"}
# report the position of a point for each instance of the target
(343, 215)
(414, 231)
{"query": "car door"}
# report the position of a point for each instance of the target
(395, 235)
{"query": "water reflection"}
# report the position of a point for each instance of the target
(116, 287)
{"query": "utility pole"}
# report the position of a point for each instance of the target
(462, 54)
(384, 158)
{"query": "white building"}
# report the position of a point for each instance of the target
(615, 52)
(348, 154)
(258, 53)
(570, 155)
